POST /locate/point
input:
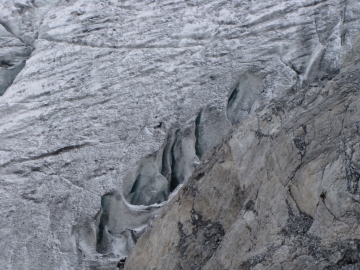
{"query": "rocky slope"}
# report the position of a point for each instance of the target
(108, 107)
(281, 192)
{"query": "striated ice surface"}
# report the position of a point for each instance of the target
(93, 88)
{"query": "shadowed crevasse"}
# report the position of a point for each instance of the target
(243, 97)
(8, 73)
(156, 176)
(198, 148)
(12, 63)
(160, 173)
(102, 244)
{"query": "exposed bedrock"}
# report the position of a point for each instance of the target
(280, 192)
(119, 103)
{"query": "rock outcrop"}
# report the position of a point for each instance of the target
(281, 192)
(107, 108)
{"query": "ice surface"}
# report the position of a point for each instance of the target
(103, 85)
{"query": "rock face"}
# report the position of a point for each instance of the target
(109, 107)
(281, 192)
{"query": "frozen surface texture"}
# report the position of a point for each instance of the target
(108, 107)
